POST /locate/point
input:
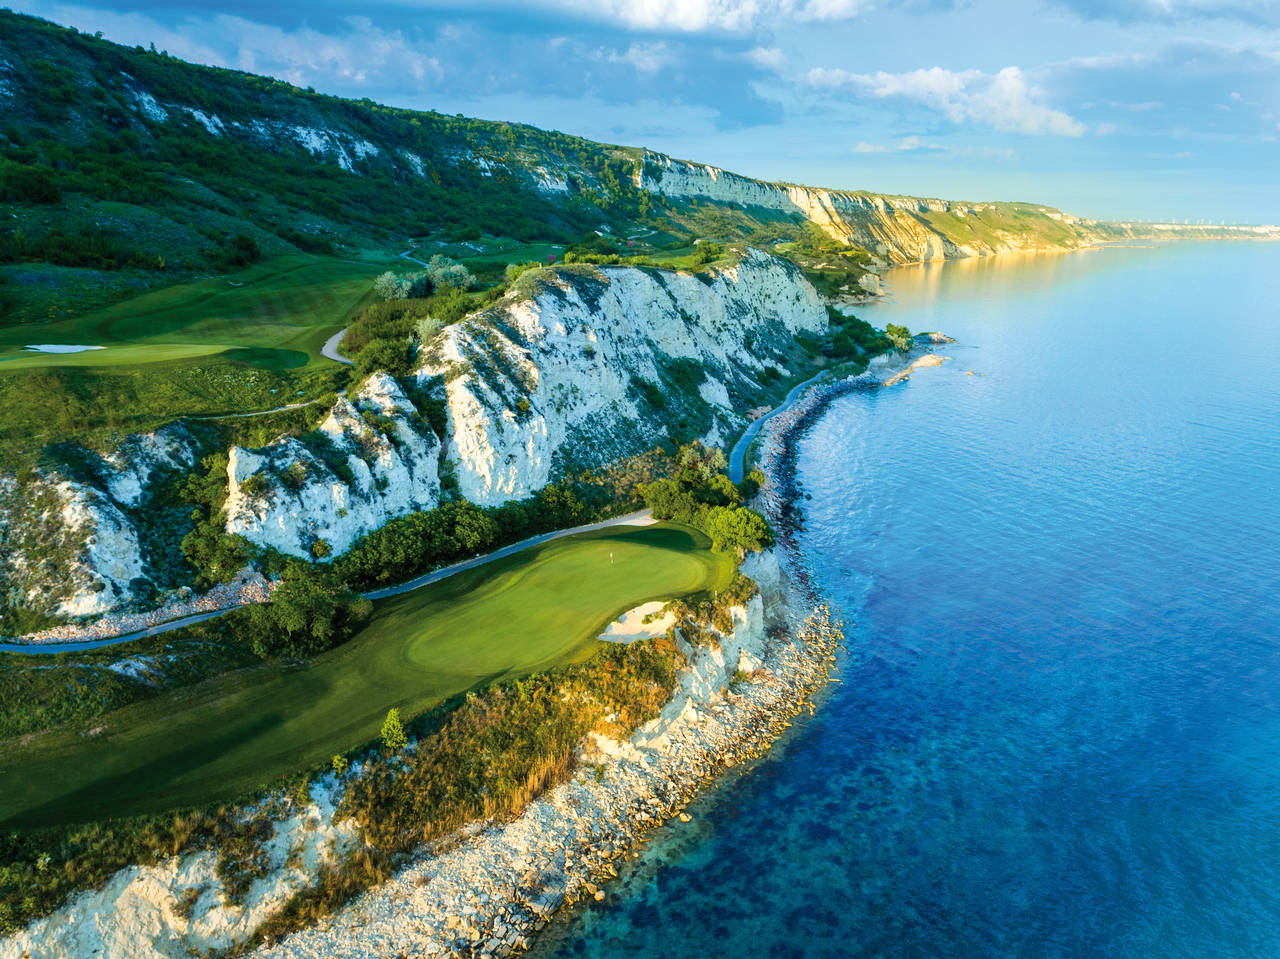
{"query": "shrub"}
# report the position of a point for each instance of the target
(393, 736)
(702, 496)
(900, 336)
(28, 184)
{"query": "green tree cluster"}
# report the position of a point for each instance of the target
(700, 495)
(311, 610)
(425, 540)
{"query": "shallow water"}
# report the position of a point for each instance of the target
(1059, 729)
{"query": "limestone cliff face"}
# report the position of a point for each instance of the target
(597, 364)
(381, 462)
(900, 229)
(71, 546)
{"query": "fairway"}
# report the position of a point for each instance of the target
(286, 303)
(212, 347)
(213, 742)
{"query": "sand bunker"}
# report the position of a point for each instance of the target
(631, 626)
(60, 348)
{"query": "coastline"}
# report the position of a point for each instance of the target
(501, 884)
(491, 887)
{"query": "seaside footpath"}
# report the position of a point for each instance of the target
(488, 889)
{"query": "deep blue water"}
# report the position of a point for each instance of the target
(1059, 729)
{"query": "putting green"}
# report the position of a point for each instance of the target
(213, 742)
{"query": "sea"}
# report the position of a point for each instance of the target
(1056, 732)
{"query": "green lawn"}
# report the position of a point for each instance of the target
(229, 344)
(285, 304)
(218, 740)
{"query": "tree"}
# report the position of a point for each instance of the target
(736, 529)
(389, 286)
(393, 736)
(900, 336)
(668, 500)
(310, 611)
(719, 491)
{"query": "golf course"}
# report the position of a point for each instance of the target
(284, 305)
(220, 345)
(526, 613)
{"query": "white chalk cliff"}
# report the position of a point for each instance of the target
(69, 546)
(288, 496)
(602, 363)
(575, 368)
(901, 229)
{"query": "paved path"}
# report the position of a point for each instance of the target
(413, 259)
(330, 348)
(739, 451)
(640, 518)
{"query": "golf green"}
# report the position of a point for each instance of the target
(222, 738)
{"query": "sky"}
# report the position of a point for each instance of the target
(1116, 109)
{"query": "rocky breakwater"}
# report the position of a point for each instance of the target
(781, 435)
(580, 366)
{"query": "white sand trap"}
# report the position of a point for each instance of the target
(60, 348)
(631, 626)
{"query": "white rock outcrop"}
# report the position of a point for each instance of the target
(70, 546)
(382, 462)
(601, 363)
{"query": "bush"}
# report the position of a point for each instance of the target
(310, 611)
(28, 184)
(702, 496)
(736, 529)
(900, 336)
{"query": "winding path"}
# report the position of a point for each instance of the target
(638, 518)
(330, 348)
(739, 451)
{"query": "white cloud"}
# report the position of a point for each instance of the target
(645, 57)
(911, 144)
(695, 16)
(1106, 129)
(360, 53)
(768, 58)
(1004, 101)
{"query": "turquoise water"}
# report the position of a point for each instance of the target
(1059, 729)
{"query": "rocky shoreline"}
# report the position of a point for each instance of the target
(499, 885)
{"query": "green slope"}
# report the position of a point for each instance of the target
(220, 739)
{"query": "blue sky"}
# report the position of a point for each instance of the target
(1107, 108)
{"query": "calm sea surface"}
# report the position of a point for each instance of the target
(1059, 729)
